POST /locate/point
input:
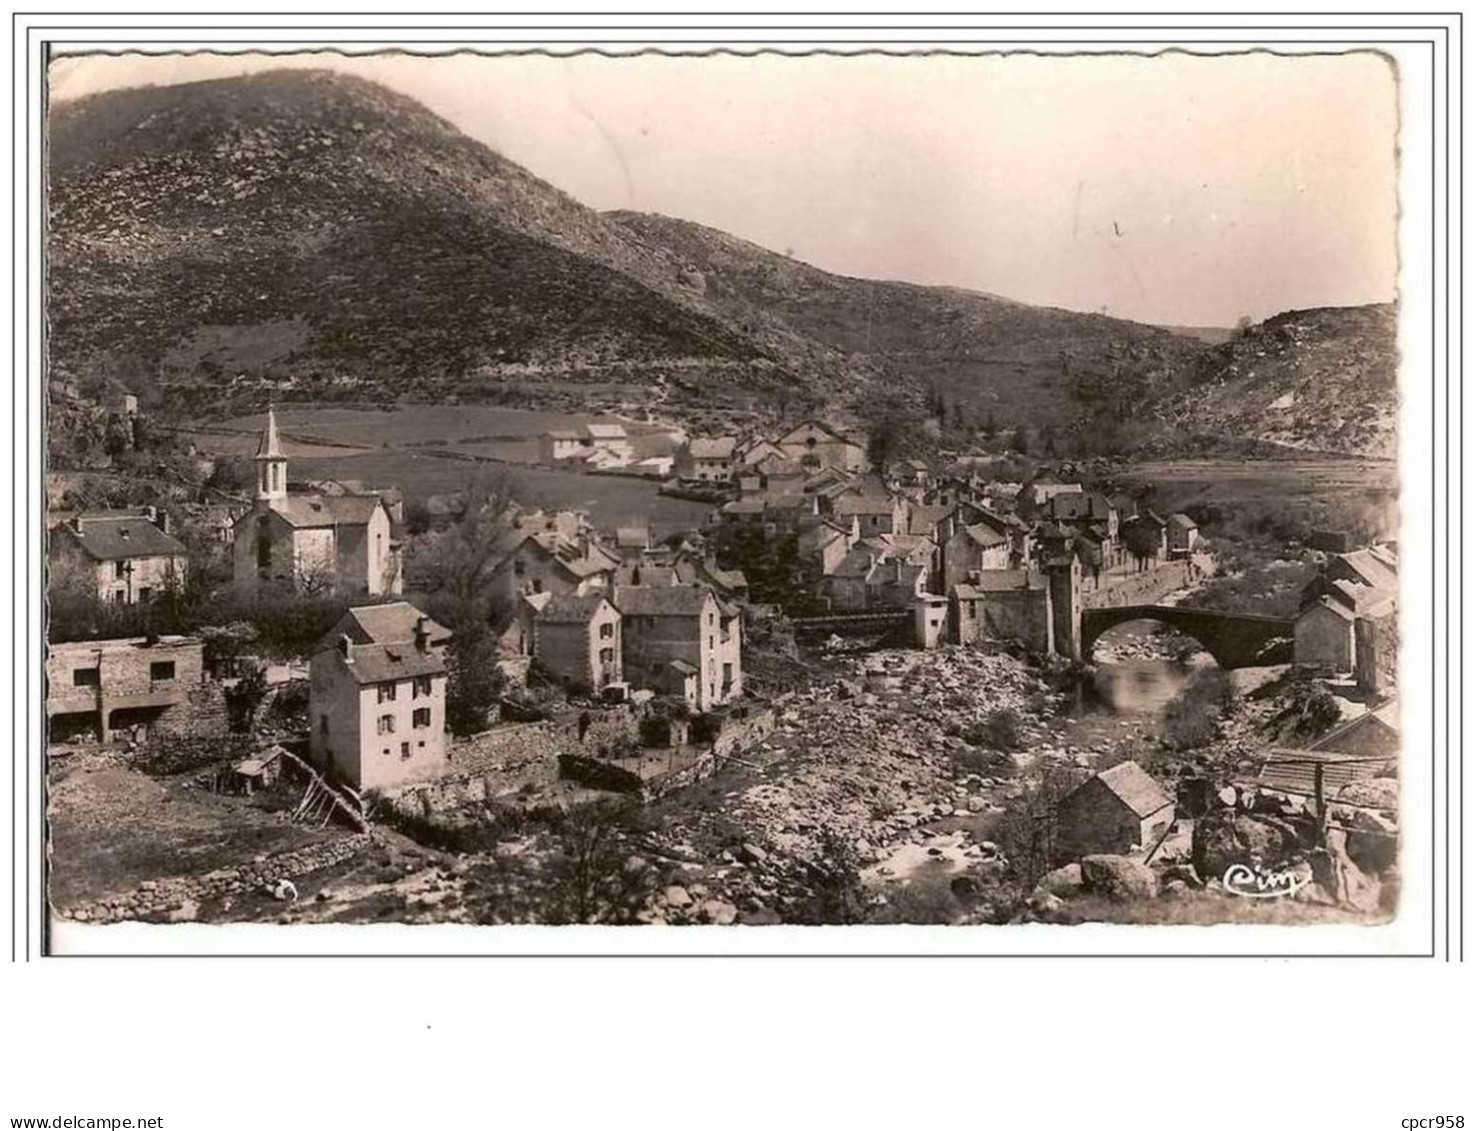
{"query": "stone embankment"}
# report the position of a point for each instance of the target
(178, 899)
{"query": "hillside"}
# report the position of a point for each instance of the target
(1313, 380)
(313, 236)
(319, 227)
(1021, 364)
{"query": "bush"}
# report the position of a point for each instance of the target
(1191, 718)
(1000, 731)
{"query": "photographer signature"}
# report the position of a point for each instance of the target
(1255, 882)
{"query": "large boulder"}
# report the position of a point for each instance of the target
(1118, 878)
(1064, 882)
(1222, 839)
(1374, 793)
(1372, 841)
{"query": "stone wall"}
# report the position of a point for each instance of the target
(738, 734)
(1145, 588)
(175, 896)
(202, 714)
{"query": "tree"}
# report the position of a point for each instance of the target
(594, 878)
(459, 562)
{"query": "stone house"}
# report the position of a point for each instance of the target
(825, 543)
(1003, 604)
(1182, 535)
(756, 449)
(587, 442)
(877, 514)
(1325, 636)
(104, 686)
(1019, 533)
(578, 638)
(1118, 811)
(970, 551)
(671, 629)
(377, 706)
(123, 558)
(328, 541)
(554, 554)
(815, 444)
(710, 459)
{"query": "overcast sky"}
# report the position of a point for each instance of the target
(1175, 189)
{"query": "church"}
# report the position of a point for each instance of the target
(316, 542)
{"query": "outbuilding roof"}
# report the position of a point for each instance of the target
(1131, 783)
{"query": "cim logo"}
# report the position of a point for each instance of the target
(1255, 882)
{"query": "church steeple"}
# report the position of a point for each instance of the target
(271, 464)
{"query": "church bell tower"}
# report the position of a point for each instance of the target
(271, 464)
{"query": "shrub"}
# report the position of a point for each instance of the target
(999, 731)
(1191, 718)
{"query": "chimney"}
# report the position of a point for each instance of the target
(160, 518)
(345, 648)
(422, 633)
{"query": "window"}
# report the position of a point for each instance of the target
(606, 655)
(386, 724)
(145, 593)
(120, 570)
(386, 692)
(422, 687)
(84, 677)
(606, 631)
(161, 671)
(518, 568)
(404, 750)
(421, 717)
(537, 585)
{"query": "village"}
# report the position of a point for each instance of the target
(849, 696)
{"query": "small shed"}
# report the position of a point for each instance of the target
(1119, 810)
(258, 772)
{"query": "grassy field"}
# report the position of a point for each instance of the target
(1280, 496)
(610, 500)
(400, 447)
(112, 828)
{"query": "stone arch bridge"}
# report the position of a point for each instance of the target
(1235, 640)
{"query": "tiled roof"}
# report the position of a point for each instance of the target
(1182, 521)
(1130, 782)
(571, 610)
(1373, 569)
(984, 537)
(305, 511)
(864, 504)
(393, 623)
(107, 539)
(661, 600)
(715, 447)
(924, 520)
(379, 663)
